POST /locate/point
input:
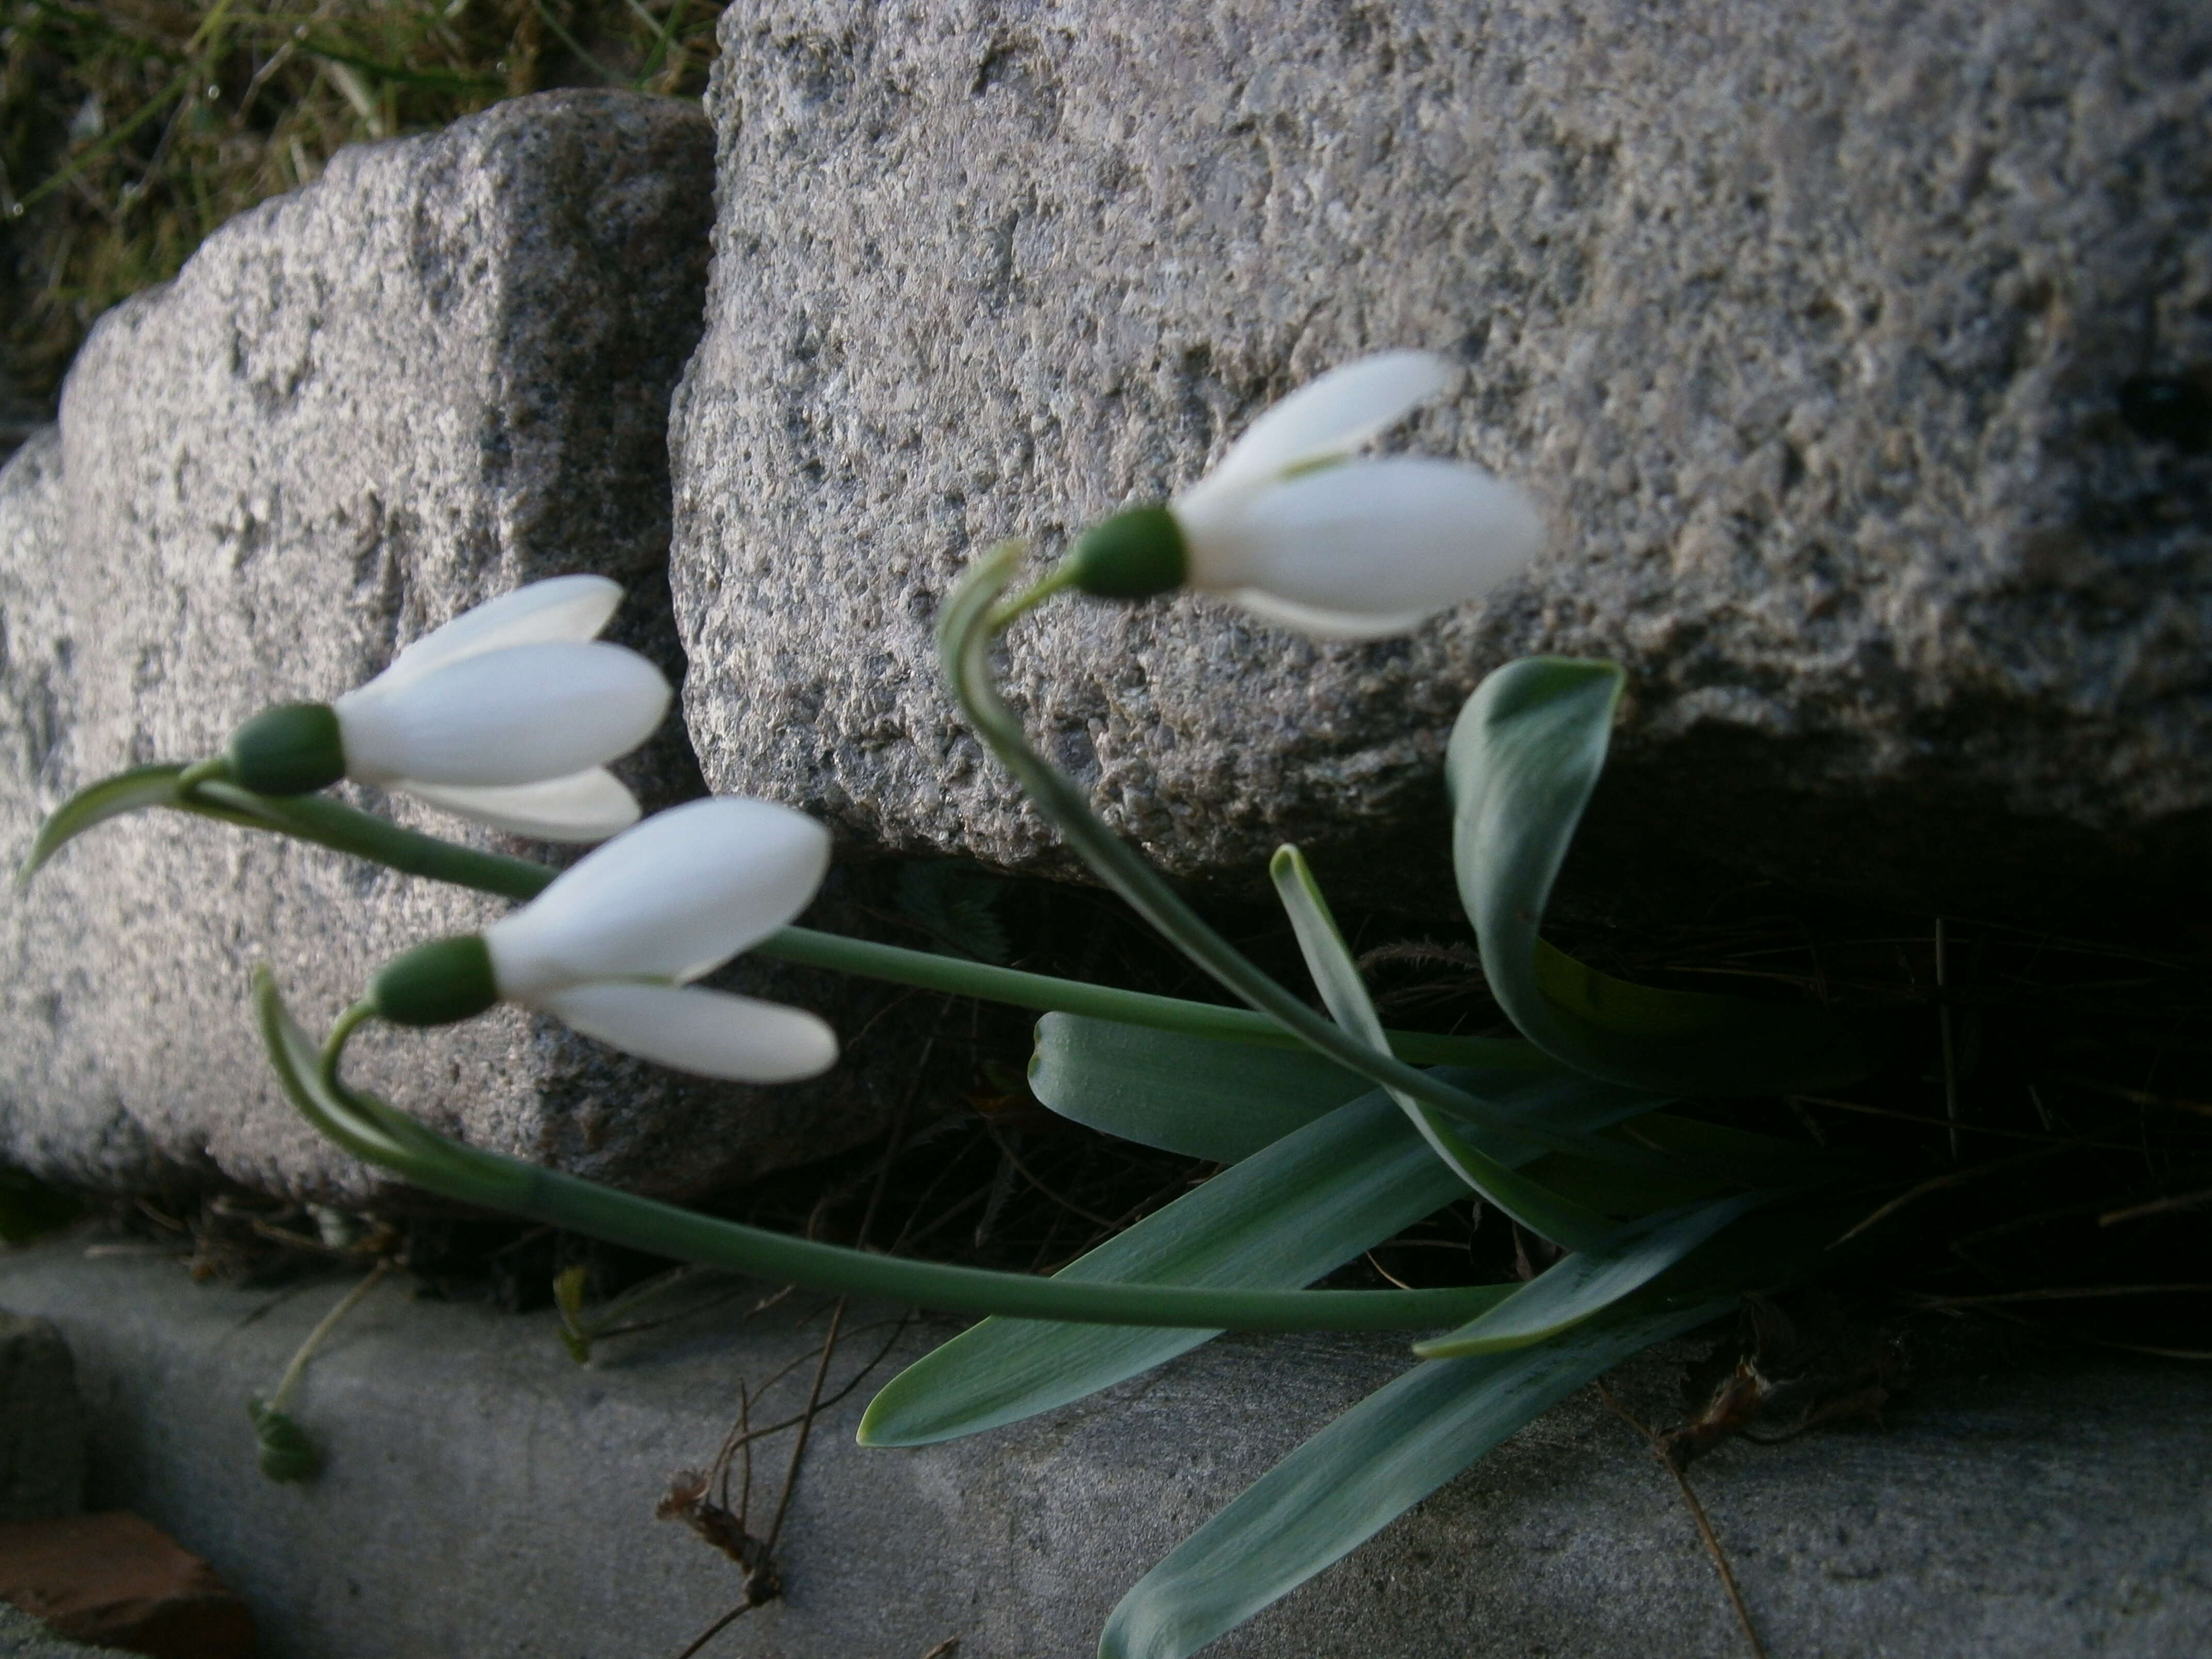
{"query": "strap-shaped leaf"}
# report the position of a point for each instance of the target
(1205, 1097)
(1365, 1470)
(1524, 757)
(1283, 1218)
(1195, 1096)
(1584, 1284)
(1316, 1196)
(1336, 975)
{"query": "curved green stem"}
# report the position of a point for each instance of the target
(377, 1131)
(333, 823)
(1061, 577)
(329, 823)
(334, 1045)
(964, 637)
(288, 1384)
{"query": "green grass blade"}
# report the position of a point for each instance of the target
(1336, 974)
(433, 79)
(1584, 1284)
(1365, 1470)
(1524, 757)
(1283, 1217)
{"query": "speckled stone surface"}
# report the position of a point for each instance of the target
(1833, 340)
(442, 371)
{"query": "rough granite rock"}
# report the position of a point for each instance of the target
(439, 372)
(1862, 357)
(41, 1423)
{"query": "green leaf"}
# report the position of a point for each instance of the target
(1315, 1197)
(1584, 1284)
(127, 792)
(1336, 974)
(1283, 1216)
(1524, 757)
(1223, 1098)
(1193, 1095)
(1365, 1470)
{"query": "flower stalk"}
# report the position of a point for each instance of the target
(964, 642)
(377, 1133)
(324, 822)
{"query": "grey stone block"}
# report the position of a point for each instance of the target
(1818, 330)
(441, 372)
(484, 1495)
(41, 1423)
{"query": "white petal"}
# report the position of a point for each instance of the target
(1317, 623)
(684, 891)
(710, 1032)
(587, 805)
(1404, 536)
(1329, 417)
(521, 714)
(561, 608)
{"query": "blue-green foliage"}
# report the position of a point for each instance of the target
(1323, 1166)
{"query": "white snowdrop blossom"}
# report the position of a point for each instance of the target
(611, 946)
(1292, 528)
(506, 714)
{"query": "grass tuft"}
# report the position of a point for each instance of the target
(130, 128)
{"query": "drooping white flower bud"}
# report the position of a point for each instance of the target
(505, 715)
(1296, 531)
(610, 945)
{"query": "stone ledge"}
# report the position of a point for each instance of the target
(484, 1495)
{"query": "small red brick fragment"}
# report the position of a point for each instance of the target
(118, 1582)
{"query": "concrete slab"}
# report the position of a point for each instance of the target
(483, 1495)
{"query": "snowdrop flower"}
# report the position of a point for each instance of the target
(609, 946)
(505, 715)
(1299, 534)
